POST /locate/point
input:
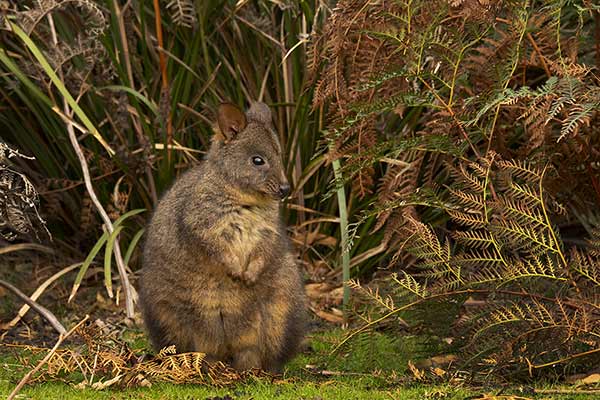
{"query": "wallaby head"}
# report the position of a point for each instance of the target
(246, 150)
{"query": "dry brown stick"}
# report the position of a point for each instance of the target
(43, 311)
(340, 373)
(90, 189)
(28, 375)
(100, 209)
(539, 54)
(37, 293)
(597, 36)
(164, 77)
(105, 218)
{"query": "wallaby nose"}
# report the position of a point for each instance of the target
(284, 190)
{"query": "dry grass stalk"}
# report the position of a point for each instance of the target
(28, 376)
(104, 358)
(127, 289)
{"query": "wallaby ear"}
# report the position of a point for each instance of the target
(231, 121)
(260, 112)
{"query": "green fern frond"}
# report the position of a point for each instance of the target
(427, 245)
(525, 193)
(481, 168)
(468, 200)
(525, 237)
(478, 239)
(521, 169)
(522, 213)
(472, 181)
(473, 220)
(585, 266)
(541, 314)
(486, 230)
(534, 267)
(503, 315)
(448, 283)
(579, 114)
(486, 258)
(485, 276)
(373, 295)
(409, 283)
(431, 253)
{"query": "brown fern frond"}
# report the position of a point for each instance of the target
(19, 215)
(31, 18)
(183, 12)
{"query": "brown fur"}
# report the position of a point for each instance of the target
(219, 275)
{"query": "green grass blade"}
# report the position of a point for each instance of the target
(60, 86)
(23, 78)
(116, 88)
(134, 241)
(128, 214)
(343, 212)
(107, 260)
(86, 264)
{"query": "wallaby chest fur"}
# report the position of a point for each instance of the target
(219, 275)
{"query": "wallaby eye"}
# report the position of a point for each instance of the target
(257, 160)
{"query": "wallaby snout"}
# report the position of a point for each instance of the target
(284, 190)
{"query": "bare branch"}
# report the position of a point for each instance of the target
(88, 184)
(43, 311)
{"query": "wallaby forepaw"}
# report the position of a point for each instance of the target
(255, 267)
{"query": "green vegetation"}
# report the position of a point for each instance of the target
(298, 382)
(451, 144)
(458, 120)
(259, 390)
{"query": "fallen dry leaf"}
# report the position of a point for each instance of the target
(593, 378)
(103, 385)
(437, 361)
(417, 373)
(317, 290)
(324, 293)
(315, 237)
(336, 319)
(142, 381)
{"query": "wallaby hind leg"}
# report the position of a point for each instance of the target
(247, 359)
(160, 337)
(157, 334)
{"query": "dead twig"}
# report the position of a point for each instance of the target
(88, 185)
(43, 311)
(164, 76)
(37, 293)
(28, 375)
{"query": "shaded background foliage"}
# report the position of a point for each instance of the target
(438, 111)
(471, 128)
(214, 51)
